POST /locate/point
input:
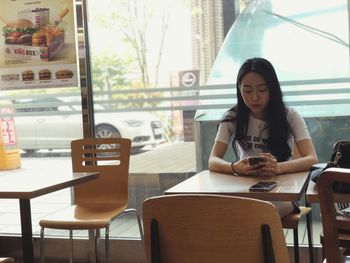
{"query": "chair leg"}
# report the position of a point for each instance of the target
(42, 245)
(96, 239)
(71, 243)
(141, 230)
(133, 210)
(140, 225)
(139, 222)
(309, 235)
(323, 253)
(296, 245)
(107, 244)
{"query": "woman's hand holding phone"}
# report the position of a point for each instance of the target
(254, 160)
(264, 165)
(252, 165)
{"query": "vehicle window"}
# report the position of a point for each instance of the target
(33, 105)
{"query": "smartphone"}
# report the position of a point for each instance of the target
(255, 160)
(263, 186)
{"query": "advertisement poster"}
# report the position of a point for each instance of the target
(37, 44)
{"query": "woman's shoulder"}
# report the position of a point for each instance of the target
(229, 115)
(292, 112)
(293, 115)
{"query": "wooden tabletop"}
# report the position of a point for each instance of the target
(312, 195)
(26, 184)
(290, 186)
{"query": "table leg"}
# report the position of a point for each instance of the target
(309, 233)
(27, 233)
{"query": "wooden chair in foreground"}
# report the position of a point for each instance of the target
(6, 260)
(212, 228)
(99, 202)
(332, 223)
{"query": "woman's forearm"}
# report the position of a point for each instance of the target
(217, 164)
(297, 165)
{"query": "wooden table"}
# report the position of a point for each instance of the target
(25, 184)
(312, 195)
(290, 187)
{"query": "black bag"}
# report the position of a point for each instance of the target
(340, 158)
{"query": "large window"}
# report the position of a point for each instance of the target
(308, 44)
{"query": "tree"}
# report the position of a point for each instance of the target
(108, 71)
(109, 74)
(132, 19)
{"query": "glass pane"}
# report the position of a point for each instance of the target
(134, 54)
(310, 52)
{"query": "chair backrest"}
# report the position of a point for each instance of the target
(210, 228)
(110, 157)
(331, 221)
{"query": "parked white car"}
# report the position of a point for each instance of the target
(52, 124)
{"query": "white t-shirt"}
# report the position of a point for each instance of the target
(257, 133)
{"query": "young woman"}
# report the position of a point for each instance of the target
(261, 124)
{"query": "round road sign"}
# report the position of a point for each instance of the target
(188, 79)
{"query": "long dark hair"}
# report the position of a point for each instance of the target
(275, 116)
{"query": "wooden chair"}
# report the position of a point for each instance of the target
(99, 202)
(291, 221)
(6, 260)
(332, 223)
(212, 228)
(344, 238)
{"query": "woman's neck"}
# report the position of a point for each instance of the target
(259, 116)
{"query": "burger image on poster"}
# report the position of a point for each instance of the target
(27, 75)
(64, 74)
(44, 74)
(33, 28)
(19, 32)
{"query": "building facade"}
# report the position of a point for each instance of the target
(211, 21)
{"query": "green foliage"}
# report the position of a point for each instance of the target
(131, 23)
(109, 72)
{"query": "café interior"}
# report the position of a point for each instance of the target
(103, 169)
